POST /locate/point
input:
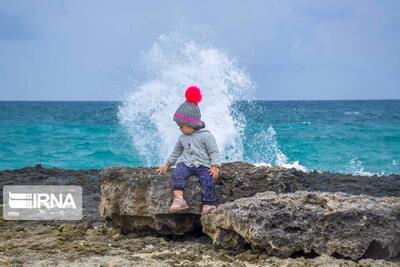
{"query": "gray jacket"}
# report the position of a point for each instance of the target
(198, 148)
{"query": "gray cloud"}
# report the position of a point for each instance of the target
(291, 49)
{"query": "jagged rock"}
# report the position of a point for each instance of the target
(138, 198)
(73, 243)
(309, 222)
(243, 179)
(39, 175)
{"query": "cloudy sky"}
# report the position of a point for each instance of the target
(292, 50)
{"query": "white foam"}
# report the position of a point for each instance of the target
(262, 164)
(266, 151)
(356, 168)
(351, 113)
(295, 165)
(172, 64)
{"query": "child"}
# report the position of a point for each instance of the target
(195, 153)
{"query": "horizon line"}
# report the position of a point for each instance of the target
(114, 100)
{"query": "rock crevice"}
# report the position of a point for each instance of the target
(282, 211)
(326, 223)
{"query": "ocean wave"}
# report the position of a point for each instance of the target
(296, 165)
(174, 62)
(355, 167)
(266, 151)
(351, 113)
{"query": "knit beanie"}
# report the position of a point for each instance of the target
(188, 112)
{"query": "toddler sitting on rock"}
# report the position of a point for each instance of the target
(195, 153)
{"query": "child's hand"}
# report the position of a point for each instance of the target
(163, 169)
(214, 171)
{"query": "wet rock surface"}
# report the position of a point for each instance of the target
(93, 241)
(350, 226)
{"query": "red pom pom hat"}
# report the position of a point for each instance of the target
(188, 112)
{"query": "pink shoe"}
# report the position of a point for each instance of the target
(178, 205)
(207, 209)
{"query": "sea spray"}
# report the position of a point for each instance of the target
(355, 167)
(56, 134)
(173, 63)
(264, 150)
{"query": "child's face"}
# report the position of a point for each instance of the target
(185, 129)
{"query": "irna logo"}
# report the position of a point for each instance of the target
(40, 200)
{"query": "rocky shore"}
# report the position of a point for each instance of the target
(269, 216)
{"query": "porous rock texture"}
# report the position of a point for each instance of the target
(138, 198)
(350, 226)
(93, 242)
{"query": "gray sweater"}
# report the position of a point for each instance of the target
(198, 148)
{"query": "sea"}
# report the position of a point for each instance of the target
(359, 137)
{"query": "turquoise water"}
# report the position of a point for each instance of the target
(359, 137)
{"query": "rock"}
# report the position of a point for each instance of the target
(69, 232)
(284, 224)
(138, 198)
(58, 243)
(39, 175)
(239, 179)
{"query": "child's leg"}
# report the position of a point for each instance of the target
(178, 193)
(207, 186)
(178, 178)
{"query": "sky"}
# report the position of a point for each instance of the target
(292, 50)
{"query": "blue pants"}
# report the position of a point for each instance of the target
(182, 171)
